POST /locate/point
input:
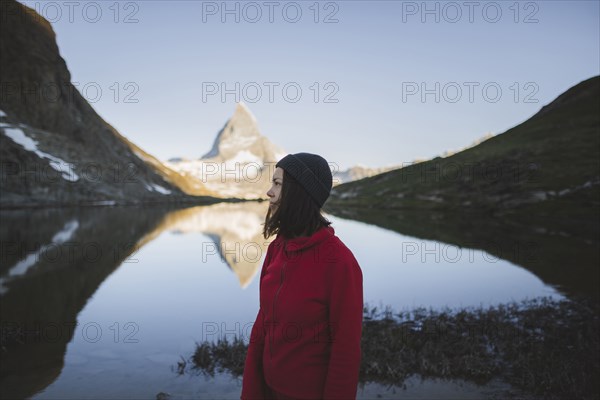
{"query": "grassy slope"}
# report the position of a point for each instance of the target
(527, 167)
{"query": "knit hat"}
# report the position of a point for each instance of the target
(312, 172)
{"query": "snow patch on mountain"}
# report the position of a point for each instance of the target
(157, 188)
(18, 136)
(244, 157)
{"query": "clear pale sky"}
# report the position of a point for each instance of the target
(374, 57)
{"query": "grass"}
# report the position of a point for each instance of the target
(544, 347)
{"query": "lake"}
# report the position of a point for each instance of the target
(111, 298)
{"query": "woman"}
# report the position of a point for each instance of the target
(305, 342)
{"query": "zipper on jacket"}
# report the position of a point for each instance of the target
(274, 301)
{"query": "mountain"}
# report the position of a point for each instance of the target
(545, 170)
(241, 134)
(54, 148)
(240, 163)
(358, 172)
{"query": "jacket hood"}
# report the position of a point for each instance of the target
(305, 242)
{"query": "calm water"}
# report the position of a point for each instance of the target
(121, 294)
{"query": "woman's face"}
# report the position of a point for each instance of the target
(275, 190)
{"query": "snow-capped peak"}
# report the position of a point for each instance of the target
(241, 107)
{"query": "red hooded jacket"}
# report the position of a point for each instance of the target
(305, 341)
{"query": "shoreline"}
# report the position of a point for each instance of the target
(537, 348)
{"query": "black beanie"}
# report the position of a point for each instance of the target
(312, 172)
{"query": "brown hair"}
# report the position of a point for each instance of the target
(297, 214)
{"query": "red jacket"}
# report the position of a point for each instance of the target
(305, 341)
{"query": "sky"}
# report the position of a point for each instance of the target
(375, 83)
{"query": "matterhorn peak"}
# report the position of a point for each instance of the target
(240, 140)
(242, 111)
(241, 159)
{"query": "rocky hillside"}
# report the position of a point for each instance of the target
(546, 169)
(54, 148)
